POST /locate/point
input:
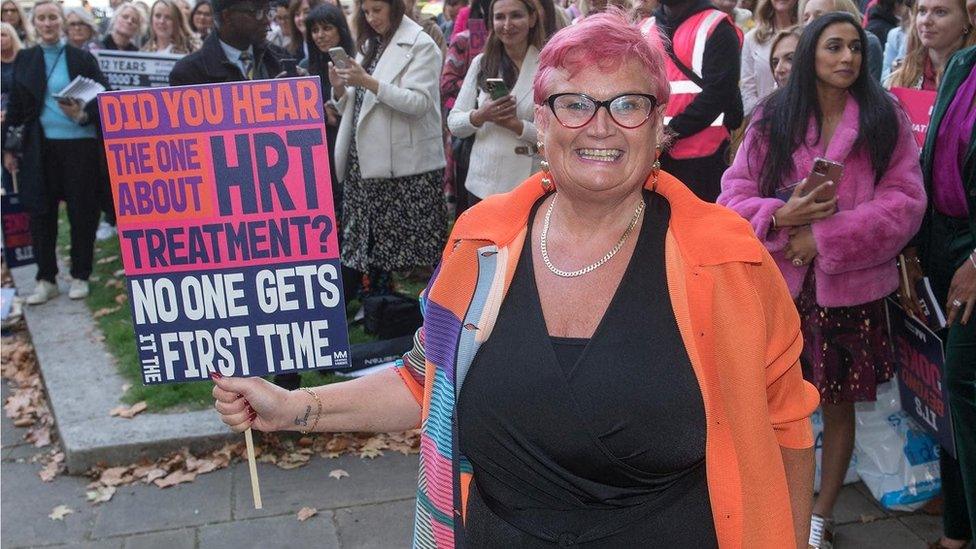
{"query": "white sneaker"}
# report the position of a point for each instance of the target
(105, 231)
(44, 291)
(79, 289)
(821, 533)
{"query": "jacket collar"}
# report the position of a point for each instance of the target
(215, 59)
(845, 135)
(706, 233)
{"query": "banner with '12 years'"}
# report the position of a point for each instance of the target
(227, 228)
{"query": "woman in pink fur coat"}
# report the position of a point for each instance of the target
(837, 255)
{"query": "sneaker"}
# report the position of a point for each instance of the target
(79, 289)
(44, 291)
(821, 533)
(105, 232)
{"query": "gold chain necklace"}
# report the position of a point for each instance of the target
(593, 266)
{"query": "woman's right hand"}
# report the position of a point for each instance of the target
(10, 162)
(803, 208)
(244, 402)
(493, 111)
(338, 82)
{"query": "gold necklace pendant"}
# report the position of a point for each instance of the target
(593, 266)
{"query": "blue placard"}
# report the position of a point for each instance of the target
(921, 375)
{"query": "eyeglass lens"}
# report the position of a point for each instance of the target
(576, 110)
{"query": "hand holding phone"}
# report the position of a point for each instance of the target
(339, 57)
(290, 67)
(497, 88)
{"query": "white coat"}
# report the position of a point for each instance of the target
(495, 167)
(398, 132)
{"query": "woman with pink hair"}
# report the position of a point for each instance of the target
(606, 360)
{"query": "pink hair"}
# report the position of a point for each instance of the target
(606, 40)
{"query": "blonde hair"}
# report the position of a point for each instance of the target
(765, 13)
(183, 40)
(25, 23)
(9, 29)
(912, 69)
(846, 6)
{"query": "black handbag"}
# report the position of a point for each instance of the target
(14, 140)
(392, 315)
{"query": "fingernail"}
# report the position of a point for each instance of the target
(215, 375)
(252, 416)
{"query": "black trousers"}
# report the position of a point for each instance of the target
(70, 173)
(949, 245)
(702, 175)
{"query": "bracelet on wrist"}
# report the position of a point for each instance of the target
(775, 225)
(318, 411)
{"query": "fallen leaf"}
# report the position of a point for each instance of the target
(50, 471)
(59, 512)
(121, 298)
(100, 494)
(155, 474)
(129, 412)
(104, 311)
(126, 387)
(306, 513)
(113, 476)
(868, 518)
(371, 453)
(338, 473)
(120, 272)
(174, 478)
(108, 259)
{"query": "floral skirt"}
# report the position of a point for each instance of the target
(846, 351)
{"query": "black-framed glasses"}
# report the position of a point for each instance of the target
(628, 110)
(263, 12)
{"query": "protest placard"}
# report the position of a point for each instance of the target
(918, 106)
(18, 247)
(921, 368)
(130, 70)
(227, 228)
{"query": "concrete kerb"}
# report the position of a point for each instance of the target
(83, 386)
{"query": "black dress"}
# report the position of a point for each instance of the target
(588, 443)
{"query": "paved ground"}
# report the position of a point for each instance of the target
(372, 508)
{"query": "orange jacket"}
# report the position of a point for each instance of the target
(736, 318)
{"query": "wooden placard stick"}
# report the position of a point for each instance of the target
(252, 466)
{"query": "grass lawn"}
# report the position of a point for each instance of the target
(109, 302)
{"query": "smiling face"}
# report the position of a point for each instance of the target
(162, 21)
(325, 36)
(601, 156)
(781, 59)
(47, 22)
(128, 21)
(940, 24)
(512, 22)
(377, 14)
(203, 18)
(838, 57)
(78, 31)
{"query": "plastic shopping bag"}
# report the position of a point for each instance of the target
(896, 459)
(851, 477)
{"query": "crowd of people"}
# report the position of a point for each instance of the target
(487, 113)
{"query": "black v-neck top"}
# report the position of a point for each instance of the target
(588, 442)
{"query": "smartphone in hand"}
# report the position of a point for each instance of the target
(497, 88)
(824, 170)
(339, 57)
(290, 66)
